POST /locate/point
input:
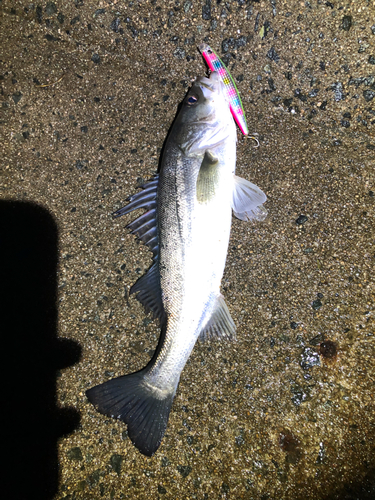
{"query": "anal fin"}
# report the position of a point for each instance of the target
(220, 325)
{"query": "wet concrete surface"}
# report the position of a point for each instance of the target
(89, 91)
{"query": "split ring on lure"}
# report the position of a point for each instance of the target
(216, 64)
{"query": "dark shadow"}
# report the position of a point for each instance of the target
(363, 489)
(31, 352)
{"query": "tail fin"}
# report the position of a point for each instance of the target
(129, 399)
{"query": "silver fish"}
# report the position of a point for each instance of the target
(187, 225)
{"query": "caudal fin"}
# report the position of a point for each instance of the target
(129, 399)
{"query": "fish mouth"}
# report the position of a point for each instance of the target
(212, 84)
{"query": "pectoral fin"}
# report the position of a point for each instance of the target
(207, 178)
(247, 200)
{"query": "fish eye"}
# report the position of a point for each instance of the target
(192, 99)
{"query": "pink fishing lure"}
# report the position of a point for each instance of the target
(216, 64)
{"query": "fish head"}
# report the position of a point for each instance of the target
(204, 120)
(205, 98)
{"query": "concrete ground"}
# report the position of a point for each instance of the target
(89, 91)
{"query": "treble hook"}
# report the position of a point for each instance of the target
(254, 138)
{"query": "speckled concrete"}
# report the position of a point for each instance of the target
(89, 90)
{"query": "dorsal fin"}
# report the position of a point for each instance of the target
(144, 199)
(149, 292)
(145, 227)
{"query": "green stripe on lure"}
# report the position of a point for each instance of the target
(216, 64)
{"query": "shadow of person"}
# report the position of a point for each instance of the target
(31, 352)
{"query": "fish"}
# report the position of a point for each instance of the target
(186, 222)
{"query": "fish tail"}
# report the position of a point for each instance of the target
(144, 409)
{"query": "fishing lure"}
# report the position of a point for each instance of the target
(216, 64)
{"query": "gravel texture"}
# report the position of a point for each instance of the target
(89, 91)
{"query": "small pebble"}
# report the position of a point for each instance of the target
(301, 220)
(328, 349)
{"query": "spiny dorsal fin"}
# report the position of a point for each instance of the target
(144, 199)
(247, 200)
(145, 227)
(220, 325)
(207, 178)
